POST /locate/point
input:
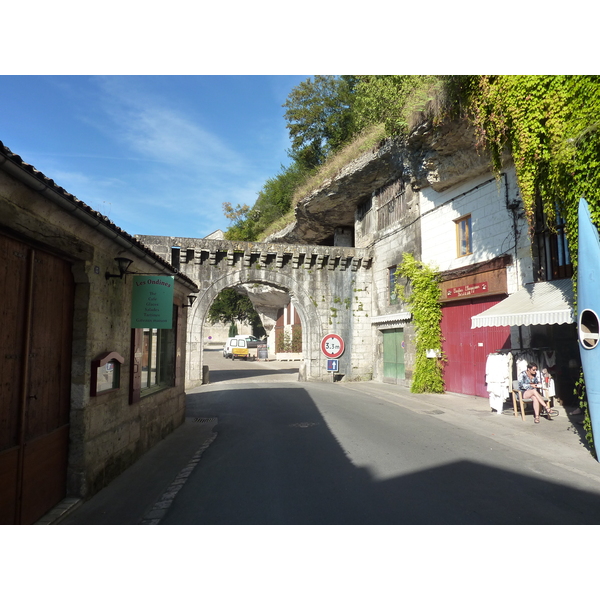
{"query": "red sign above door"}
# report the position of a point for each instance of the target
(467, 290)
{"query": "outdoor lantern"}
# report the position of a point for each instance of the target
(191, 299)
(123, 264)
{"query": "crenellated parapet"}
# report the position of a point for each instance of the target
(235, 254)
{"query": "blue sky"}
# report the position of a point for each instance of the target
(158, 155)
(93, 98)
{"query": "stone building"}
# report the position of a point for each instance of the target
(431, 195)
(505, 288)
(90, 377)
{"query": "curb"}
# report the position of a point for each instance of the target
(155, 515)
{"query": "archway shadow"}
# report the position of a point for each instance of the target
(276, 461)
(222, 375)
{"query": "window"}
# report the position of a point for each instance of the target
(153, 359)
(463, 236)
(392, 280)
(158, 357)
(363, 209)
(390, 204)
(550, 249)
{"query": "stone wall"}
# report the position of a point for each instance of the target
(327, 284)
(107, 433)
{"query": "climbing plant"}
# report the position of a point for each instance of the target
(551, 126)
(423, 300)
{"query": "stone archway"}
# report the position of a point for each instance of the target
(331, 287)
(312, 330)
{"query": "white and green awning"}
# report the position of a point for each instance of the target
(542, 303)
(391, 321)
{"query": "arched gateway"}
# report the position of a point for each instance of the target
(330, 286)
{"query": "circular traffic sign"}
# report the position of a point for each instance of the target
(332, 345)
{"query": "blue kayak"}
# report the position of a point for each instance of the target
(588, 309)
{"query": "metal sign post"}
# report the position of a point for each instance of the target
(332, 346)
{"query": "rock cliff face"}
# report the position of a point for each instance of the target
(444, 156)
(440, 157)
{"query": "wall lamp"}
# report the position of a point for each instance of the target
(123, 264)
(192, 299)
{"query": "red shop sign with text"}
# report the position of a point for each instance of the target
(467, 290)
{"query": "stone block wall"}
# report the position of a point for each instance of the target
(107, 433)
(329, 287)
(389, 245)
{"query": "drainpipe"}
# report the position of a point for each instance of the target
(513, 207)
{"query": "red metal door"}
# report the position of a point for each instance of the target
(35, 378)
(467, 349)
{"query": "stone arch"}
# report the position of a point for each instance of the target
(312, 327)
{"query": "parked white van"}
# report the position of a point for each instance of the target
(241, 343)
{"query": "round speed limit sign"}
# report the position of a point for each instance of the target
(332, 345)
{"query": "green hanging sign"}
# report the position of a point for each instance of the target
(152, 302)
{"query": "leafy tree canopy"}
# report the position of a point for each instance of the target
(230, 306)
(319, 117)
(274, 200)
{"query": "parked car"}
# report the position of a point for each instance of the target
(239, 342)
(252, 342)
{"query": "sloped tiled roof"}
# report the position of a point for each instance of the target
(30, 175)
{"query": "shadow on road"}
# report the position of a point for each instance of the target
(275, 461)
(221, 375)
(223, 369)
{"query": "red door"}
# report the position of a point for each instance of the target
(36, 316)
(467, 349)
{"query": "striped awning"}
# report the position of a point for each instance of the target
(543, 303)
(388, 320)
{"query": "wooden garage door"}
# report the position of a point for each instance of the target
(36, 316)
(467, 349)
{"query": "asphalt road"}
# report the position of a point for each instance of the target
(259, 447)
(223, 369)
(294, 453)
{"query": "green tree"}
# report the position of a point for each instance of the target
(230, 306)
(274, 200)
(242, 226)
(319, 117)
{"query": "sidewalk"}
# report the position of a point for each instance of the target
(560, 441)
(143, 493)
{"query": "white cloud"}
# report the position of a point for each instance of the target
(162, 134)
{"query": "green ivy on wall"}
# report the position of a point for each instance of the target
(550, 124)
(423, 300)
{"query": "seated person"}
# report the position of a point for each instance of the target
(530, 385)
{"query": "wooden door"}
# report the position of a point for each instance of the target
(35, 379)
